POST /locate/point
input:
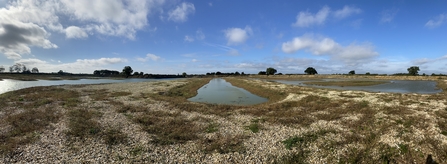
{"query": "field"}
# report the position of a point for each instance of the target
(152, 122)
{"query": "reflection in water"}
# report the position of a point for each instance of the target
(394, 86)
(7, 85)
(218, 91)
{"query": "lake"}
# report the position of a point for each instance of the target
(393, 86)
(7, 85)
(219, 91)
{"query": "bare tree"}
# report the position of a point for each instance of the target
(2, 69)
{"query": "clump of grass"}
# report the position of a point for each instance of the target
(225, 144)
(169, 128)
(114, 136)
(318, 103)
(212, 127)
(24, 126)
(303, 140)
(82, 123)
(119, 94)
(253, 127)
(136, 151)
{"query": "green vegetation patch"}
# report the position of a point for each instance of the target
(345, 83)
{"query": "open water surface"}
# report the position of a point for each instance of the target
(392, 86)
(219, 91)
(7, 85)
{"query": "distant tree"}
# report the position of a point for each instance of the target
(136, 73)
(413, 70)
(127, 71)
(237, 73)
(184, 74)
(262, 73)
(2, 69)
(311, 71)
(141, 73)
(367, 73)
(270, 71)
(279, 73)
(218, 73)
(18, 68)
(352, 72)
(35, 70)
(60, 72)
(242, 73)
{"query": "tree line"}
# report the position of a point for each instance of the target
(20, 68)
(413, 70)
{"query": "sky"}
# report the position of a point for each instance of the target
(201, 36)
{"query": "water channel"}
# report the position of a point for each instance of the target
(392, 86)
(7, 85)
(219, 91)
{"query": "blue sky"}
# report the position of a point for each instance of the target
(196, 37)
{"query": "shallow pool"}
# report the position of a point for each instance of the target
(7, 85)
(219, 91)
(393, 86)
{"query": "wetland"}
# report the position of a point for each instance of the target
(154, 122)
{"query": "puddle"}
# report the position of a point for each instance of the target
(219, 91)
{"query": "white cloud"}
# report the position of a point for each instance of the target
(75, 32)
(28, 22)
(230, 51)
(181, 12)
(194, 60)
(17, 37)
(346, 11)
(80, 66)
(352, 54)
(188, 38)
(438, 21)
(210, 4)
(307, 19)
(200, 35)
(149, 57)
(237, 36)
(421, 61)
(388, 15)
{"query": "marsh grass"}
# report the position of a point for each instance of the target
(224, 143)
(113, 136)
(212, 127)
(168, 128)
(24, 127)
(27, 112)
(82, 123)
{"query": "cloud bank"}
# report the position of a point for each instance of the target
(353, 54)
